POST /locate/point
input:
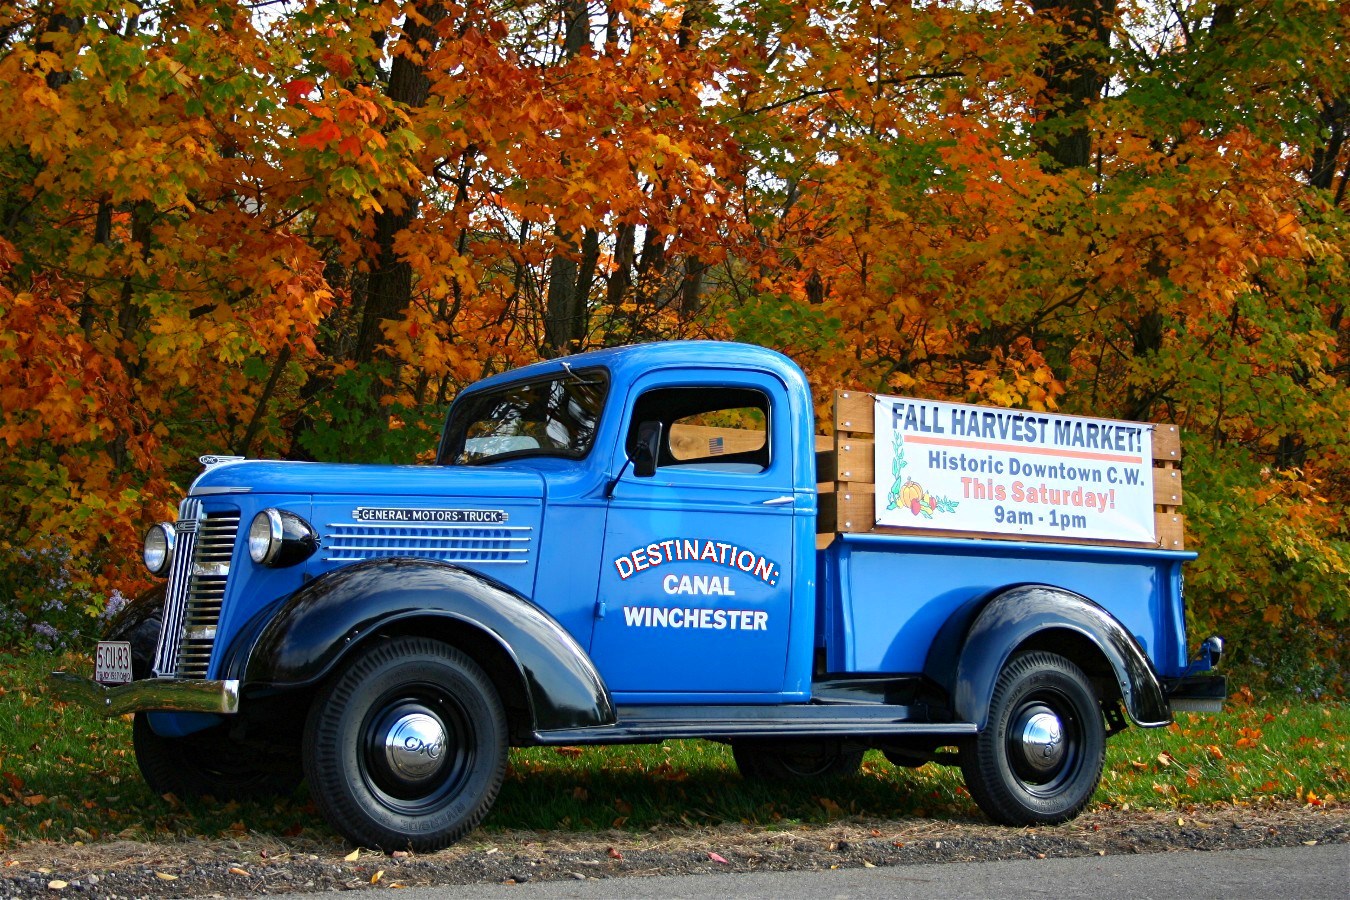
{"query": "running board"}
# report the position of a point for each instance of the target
(647, 724)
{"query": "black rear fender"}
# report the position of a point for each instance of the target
(1040, 617)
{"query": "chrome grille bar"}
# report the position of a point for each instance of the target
(175, 597)
(206, 592)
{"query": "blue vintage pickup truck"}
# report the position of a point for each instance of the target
(622, 546)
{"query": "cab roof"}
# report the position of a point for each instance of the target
(625, 364)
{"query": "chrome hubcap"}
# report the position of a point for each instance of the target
(414, 746)
(1039, 736)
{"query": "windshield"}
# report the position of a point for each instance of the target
(549, 417)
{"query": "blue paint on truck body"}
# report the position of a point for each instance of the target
(619, 547)
(699, 584)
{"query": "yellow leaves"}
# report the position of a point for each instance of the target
(38, 93)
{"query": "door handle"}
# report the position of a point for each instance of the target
(779, 501)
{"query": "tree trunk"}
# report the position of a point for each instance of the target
(566, 298)
(389, 286)
(1074, 69)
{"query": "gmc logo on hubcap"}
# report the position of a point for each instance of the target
(417, 745)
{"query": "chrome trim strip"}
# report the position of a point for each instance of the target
(475, 562)
(442, 525)
(175, 603)
(429, 537)
(432, 549)
(207, 491)
(148, 694)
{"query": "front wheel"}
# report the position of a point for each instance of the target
(405, 748)
(207, 764)
(1039, 758)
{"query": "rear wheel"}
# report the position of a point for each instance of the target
(405, 748)
(207, 764)
(1039, 758)
(798, 761)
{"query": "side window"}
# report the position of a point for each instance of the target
(719, 429)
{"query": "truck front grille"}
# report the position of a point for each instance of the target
(196, 590)
(469, 544)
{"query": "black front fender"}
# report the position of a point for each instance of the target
(138, 623)
(1034, 614)
(311, 632)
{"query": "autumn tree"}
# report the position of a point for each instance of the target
(297, 229)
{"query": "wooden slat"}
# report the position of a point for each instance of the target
(1166, 487)
(1166, 443)
(857, 459)
(824, 442)
(855, 509)
(1171, 531)
(854, 412)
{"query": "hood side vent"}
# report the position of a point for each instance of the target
(474, 545)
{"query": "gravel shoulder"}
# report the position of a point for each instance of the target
(264, 864)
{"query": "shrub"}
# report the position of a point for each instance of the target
(47, 601)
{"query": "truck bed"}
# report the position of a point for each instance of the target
(885, 597)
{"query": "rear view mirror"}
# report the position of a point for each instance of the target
(648, 449)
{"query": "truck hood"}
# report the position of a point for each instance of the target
(276, 477)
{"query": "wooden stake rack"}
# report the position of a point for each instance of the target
(847, 484)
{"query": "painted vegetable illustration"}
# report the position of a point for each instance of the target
(906, 493)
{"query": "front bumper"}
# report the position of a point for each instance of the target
(167, 694)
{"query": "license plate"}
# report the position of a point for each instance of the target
(112, 662)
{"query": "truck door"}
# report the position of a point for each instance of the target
(695, 586)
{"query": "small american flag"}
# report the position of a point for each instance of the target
(715, 446)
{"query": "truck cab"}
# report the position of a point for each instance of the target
(620, 546)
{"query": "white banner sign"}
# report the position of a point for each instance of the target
(950, 466)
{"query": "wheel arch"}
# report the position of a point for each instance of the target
(545, 679)
(138, 623)
(1033, 617)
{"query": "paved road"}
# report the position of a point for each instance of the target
(1305, 873)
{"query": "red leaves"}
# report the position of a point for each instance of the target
(320, 137)
(298, 90)
(338, 63)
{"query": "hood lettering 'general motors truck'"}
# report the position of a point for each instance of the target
(651, 542)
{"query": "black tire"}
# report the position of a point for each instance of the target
(1040, 756)
(371, 755)
(206, 764)
(796, 761)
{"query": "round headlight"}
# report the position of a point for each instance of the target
(278, 538)
(158, 551)
(264, 536)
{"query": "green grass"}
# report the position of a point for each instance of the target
(67, 774)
